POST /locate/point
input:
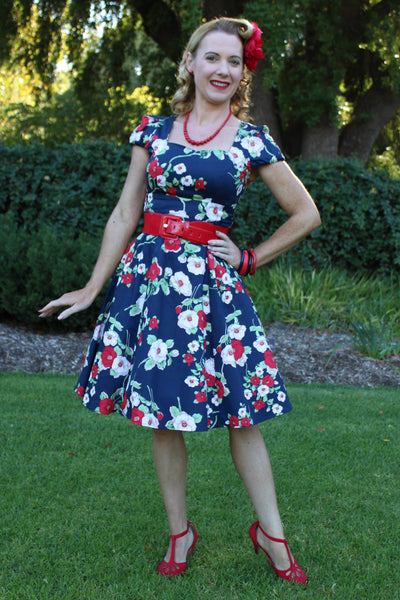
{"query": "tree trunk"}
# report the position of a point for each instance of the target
(262, 107)
(320, 141)
(371, 113)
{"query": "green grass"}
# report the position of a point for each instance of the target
(329, 298)
(82, 517)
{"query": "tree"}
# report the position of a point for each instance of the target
(329, 86)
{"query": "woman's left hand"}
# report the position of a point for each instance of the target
(224, 248)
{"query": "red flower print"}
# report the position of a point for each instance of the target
(220, 388)
(178, 310)
(155, 169)
(255, 380)
(188, 358)
(238, 286)
(128, 257)
(143, 124)
(127, 278)
(210, 261)
(220, 270)
(259, 404)
(267, 380)
(210, 379)
(137, 416)
(160, 416)
(153, 323)
(153, 272)
(233, 421)
(107, 356)
(238, 349)
(171, 191)
(245, 422)
(269, 359)
(125, 401)
(94, 372)
(202, 319)
(106, 406)
(199, 184)
(172, 244)
(140, 339)
(201, 397)
(80, 391)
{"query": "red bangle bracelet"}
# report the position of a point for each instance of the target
(243, 270)
(253, 266)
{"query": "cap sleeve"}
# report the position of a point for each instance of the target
(144, 132)
(261, 147)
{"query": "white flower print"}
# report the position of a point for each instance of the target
(182, 259)
(180, 169)
(248, 394)
(188, 320)
(262, 390)
(226, 278)
(261, 344)
(193, 346)
(150, 421)
(140, 256)
(160, 146)
(110, 338)
(141, 269)
(241, 412)
(260, 371)
(161, 180)
(277, 409)
(140, 301)
(253, 144)
(227, 297)
(168, 272)
(134, 399)
(98, 331)
(184, 422)
(237, 157)
(196, 265)
(281, 397)
(181, 283)
(216, 401)
(148, 200)
(214, 211)
(85, 399)
(158, 351)
(206, 305)
(187, 180)
(228, 356)
(209, 366)
(121, 366)
(236, 332)
(192, 381)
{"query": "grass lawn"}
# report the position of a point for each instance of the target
(82, 518)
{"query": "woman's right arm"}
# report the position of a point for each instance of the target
(119, 229)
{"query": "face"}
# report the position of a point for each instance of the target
(217, 66)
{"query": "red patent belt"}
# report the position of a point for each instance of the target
(172, 226)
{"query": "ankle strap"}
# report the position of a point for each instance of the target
(273, 539)
(179, 535)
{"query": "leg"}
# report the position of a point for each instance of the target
(251, 460)
(170, 459)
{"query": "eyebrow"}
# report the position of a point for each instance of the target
(218, 54)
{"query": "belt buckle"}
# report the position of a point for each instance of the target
(168, 220)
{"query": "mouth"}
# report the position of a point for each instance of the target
(222, 85)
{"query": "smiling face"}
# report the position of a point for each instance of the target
(217, 66)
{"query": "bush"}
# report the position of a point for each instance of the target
(54, 204)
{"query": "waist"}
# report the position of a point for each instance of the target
(173, 226)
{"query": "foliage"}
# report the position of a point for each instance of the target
(82, 514)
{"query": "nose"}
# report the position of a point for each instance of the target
(223, 70)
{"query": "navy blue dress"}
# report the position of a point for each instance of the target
(178, 343)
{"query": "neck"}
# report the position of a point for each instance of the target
(208, 115)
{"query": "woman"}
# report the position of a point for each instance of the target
(178, 345)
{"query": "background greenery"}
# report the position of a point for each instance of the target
(82, 516)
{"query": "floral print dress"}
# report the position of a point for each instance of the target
(178, 343)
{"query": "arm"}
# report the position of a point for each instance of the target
(119, 229)
(294, 199)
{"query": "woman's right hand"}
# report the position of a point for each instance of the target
(77, 301)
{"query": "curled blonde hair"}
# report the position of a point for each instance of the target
(183, 99)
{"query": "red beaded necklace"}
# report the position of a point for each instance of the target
(211, 137)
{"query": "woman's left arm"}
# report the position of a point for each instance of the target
(294, 199)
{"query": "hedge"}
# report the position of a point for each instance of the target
(54, 204)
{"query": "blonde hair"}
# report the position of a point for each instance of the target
(183, 99)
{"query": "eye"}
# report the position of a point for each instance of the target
(235, 62)
(211, 57)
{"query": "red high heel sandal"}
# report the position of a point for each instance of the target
(294, 573)
(172, 568)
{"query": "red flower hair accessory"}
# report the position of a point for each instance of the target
(252, 49)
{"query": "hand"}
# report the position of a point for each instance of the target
(224, 248)
(77, 300)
